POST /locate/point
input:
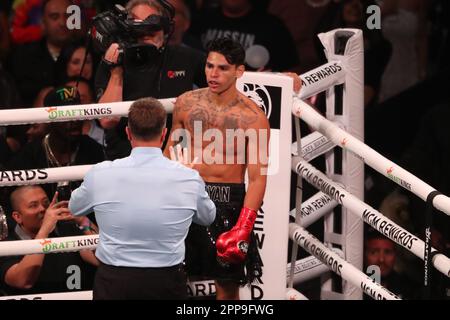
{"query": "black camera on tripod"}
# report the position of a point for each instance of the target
(116, 26)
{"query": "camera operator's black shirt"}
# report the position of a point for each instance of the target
(177, 70)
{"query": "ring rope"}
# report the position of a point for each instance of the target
(48, 245)
(338, 265)
(41, 176)
(314, 208)
(368, 214)
(321, 78)
(372, 158)
(72, 112)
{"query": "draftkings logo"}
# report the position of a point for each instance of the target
(53, 246)
(389, 173)
(73, 114)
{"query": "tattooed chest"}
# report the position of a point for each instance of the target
(204, 119)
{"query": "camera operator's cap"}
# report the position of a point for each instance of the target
(62, 96)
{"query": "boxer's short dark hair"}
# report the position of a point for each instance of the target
(232, 50)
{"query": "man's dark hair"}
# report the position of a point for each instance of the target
(146, 118)
(232, 50)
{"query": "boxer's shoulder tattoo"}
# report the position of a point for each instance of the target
(192, 99)
(249, 105)
(249, 112)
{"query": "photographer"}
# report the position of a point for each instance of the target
(146, 68)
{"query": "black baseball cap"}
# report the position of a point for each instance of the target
(62, 96)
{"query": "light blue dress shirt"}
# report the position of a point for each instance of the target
(144, 205)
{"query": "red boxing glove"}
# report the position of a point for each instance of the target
(232, 245)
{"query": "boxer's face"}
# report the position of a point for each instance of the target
(220, 74)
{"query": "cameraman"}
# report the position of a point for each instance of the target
(153, 70)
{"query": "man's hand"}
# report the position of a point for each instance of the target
(181, 155)
(56, 211)
(112, 54)
(297, 81)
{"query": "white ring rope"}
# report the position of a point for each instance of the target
(308, 268)
(338, 265)
(383, 165)
(314, 81)
(313, 146)
(48, 245)
(40, 176)
(321, 79)
(70, 113)
(305, 269)
(368, 214)
(314, 208)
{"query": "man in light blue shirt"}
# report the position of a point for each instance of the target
(144, 205)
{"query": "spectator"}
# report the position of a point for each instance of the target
(302, 18)
(381, 251)
(91, 128)
(37, 131)
(405, 25)
(268, 44)
(33, 65)
(427, 158)
(167, 72)
(71, 60)
(182, 22)
(377, 50)
(38, 218)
